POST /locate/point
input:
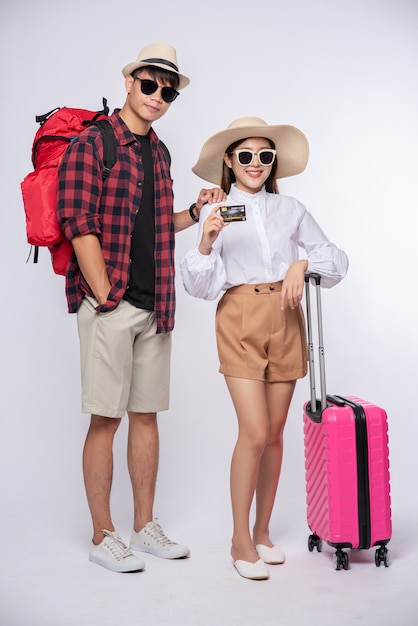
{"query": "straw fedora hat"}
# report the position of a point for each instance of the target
(160, 55)
(291, 145)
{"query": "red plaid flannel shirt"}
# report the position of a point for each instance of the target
(87, 205)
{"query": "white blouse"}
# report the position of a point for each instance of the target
(261, 249)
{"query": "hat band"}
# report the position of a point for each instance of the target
(163, 61)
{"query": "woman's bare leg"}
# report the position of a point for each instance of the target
(249, 399)
(279, 396)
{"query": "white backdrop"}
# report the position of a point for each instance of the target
(345, 73)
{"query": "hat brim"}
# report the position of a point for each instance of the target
(131, 67)
(292, 150)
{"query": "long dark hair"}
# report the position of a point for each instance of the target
(228, 176)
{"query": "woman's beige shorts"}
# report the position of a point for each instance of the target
(256, 339)
(125, 365)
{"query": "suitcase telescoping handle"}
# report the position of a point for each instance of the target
(314, 402)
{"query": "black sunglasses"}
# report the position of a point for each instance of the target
(168, 94)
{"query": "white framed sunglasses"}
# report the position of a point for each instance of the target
(265, 156)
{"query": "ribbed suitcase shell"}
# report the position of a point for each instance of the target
(332, 489)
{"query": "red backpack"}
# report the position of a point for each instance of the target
(40, 187)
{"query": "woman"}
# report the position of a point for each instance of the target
(260, 329)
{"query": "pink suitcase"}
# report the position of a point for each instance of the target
(346, 465)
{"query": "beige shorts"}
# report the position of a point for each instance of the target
(125, 365)
(256, 339)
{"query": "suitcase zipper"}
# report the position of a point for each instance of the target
(362, 471)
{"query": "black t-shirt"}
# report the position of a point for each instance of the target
(141, 287)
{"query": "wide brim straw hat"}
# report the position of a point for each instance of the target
(160, 55)
(292, 148)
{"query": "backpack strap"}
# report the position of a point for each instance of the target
(104, 111)
(109, 145)
(166, 153)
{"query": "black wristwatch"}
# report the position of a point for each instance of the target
(192, 214)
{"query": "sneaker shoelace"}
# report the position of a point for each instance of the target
(159, 536)
(116, 546)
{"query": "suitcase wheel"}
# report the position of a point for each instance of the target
(340, 559)
(314, 542)
(381, 556)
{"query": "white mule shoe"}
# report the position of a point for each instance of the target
(273, 556)
(254, 571)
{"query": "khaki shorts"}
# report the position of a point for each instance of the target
(125, 365)
(256, 339)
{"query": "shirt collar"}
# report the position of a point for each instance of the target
(244, 196)
(124, 136)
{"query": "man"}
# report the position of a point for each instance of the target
(120, 282)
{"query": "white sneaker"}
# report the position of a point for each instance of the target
(112, 553)
(153, 540)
